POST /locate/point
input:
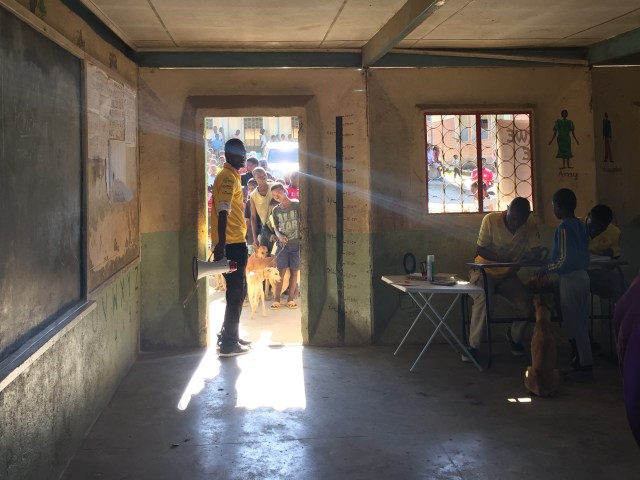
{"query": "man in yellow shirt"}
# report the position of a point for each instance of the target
(228, 235)
(508, 236)
(604, 237)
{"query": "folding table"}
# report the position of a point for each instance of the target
(422, 292)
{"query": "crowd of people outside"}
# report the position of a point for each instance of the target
(215, 159)
(217, 138)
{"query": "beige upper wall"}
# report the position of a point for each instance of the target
(164, 95)
(615, 91)
(394, 120)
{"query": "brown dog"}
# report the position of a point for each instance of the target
(220, 284)
(272, 277)
(255, 292)
(542, 378)
(259, 260)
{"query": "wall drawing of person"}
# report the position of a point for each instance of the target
(608, 138)
(564, 129)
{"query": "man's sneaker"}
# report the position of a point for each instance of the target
(246, 343)
(516, 348)
(473, 352)
(233, 350)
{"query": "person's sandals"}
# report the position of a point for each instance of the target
(275, 306)
(292, 304)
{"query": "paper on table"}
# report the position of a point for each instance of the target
(446, 279)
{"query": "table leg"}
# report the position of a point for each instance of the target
(442, 323)
(422, 309)
(427, 303)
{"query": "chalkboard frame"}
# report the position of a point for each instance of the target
(43, 267)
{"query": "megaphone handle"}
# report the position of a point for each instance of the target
(193, 290)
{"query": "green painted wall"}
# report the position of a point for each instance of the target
(47, 410)
(166, 282)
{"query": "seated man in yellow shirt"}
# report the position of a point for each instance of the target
(504, 237)
(604, 240)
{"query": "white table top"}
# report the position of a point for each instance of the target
(407, 284)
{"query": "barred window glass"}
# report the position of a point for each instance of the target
(295, 127)
(477, 162)
(252, 126)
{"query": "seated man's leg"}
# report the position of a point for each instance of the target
(478, 323)
(514, 291)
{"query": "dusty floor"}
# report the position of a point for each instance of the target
(285, 411)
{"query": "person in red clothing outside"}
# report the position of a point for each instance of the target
(293, 189)
(487, 175)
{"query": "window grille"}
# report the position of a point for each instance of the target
(252, 126)
(477, 162)
(295, 127)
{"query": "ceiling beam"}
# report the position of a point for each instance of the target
(351, 60)
(410, 15)
(243, 59)
(619, 46)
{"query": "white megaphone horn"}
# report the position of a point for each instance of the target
(201, 268)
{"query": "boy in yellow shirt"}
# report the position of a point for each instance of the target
(604, 237)
(604, 240)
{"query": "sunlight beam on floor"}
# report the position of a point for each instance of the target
(207, 369)
(271, 378)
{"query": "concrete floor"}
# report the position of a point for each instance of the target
(320, 413)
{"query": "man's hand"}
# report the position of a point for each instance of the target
(535, 255)
(283, 239)
(218, 252)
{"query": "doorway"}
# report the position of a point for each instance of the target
(274, 140)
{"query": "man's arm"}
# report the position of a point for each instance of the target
(218, 251)
(533, 255)
(485, 237)
(490, 255)
(561, 245)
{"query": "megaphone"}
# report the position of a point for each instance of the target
(201, 268)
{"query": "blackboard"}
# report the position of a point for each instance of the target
(41, 247)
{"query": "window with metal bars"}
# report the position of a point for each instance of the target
(477, 161)
(295, 127)
(252, 126)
